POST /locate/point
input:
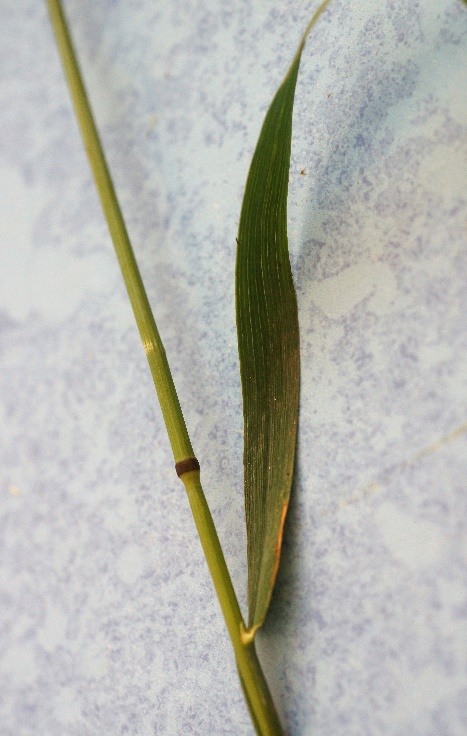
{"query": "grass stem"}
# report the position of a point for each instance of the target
(255, 688)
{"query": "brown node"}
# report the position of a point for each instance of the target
(186, 465)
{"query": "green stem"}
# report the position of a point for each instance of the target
(173, 417)
(254, 685)
(256, 691)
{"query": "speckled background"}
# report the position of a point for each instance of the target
(109, 624)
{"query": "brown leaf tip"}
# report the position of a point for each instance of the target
(277, 550)
(186, 465)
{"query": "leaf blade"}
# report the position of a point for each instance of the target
(268, 343)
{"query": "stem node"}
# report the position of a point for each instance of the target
(187, 465)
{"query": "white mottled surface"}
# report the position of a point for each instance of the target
(108, 620)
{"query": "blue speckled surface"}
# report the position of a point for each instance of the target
(109, 624)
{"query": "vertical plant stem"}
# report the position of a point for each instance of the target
(256, 691)
(255, 687)
(152, 343)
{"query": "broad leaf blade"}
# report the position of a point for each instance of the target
(268, 343)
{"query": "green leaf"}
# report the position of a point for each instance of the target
(268, 344)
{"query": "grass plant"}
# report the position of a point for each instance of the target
(267, 323)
